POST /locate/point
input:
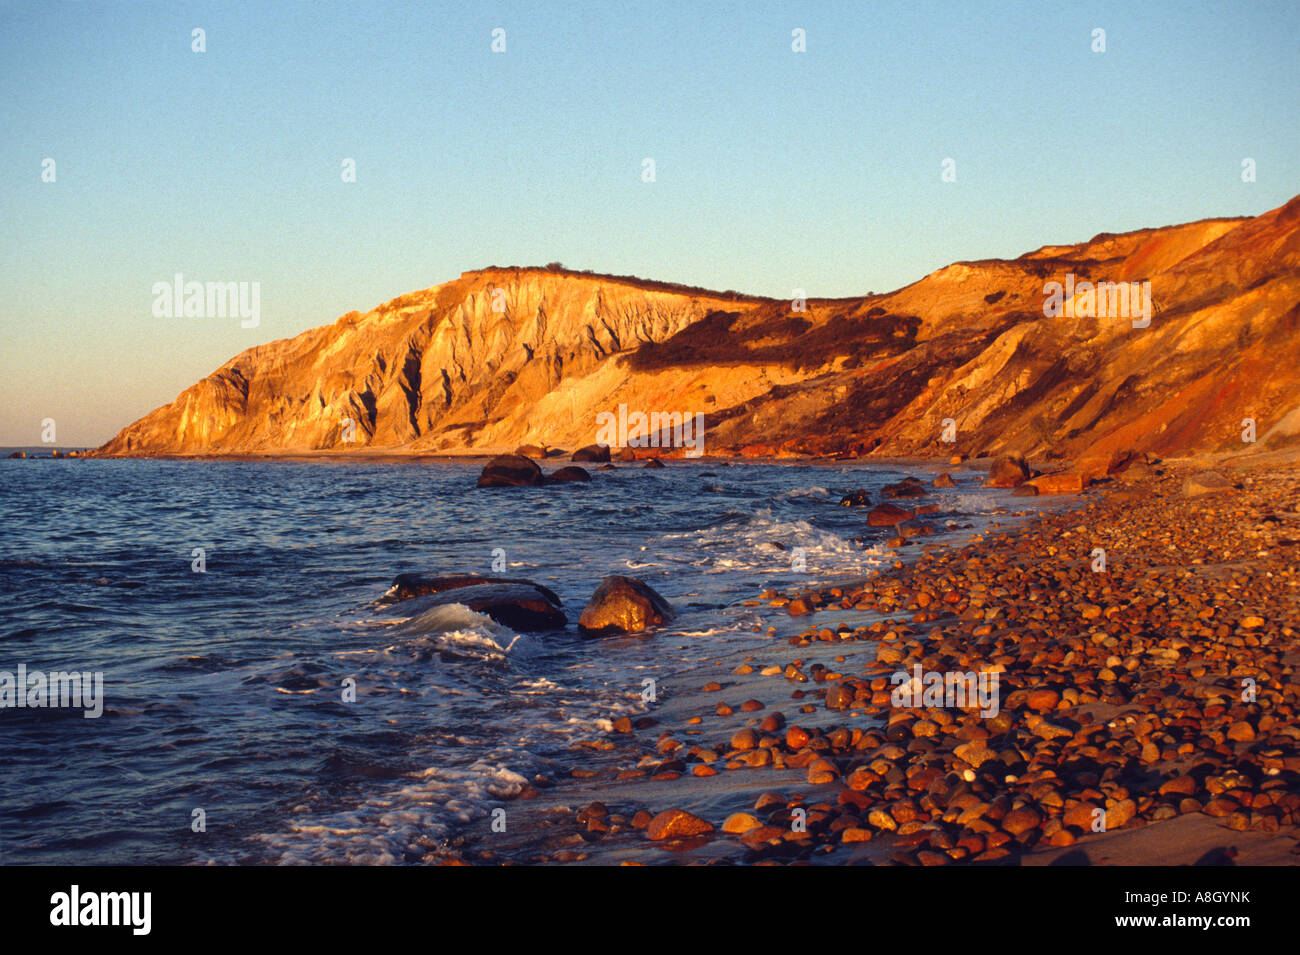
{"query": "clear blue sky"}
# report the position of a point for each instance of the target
(774, 170)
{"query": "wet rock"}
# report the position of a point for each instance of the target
(568, 475)
(858, 498)
(944, 480)
(510, 470)
(676, 824)
(912, 529)
(909, 487)
(406, 586)
(623, 605)
(520, 605)
(654, 463)
(739, 823)
(593, 453)
(888, 515)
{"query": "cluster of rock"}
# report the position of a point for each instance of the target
(519, 470)
(1127, 698)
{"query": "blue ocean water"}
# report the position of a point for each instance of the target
(223, 690)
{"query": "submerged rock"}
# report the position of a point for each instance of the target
(654, 463)
(623, 605)
(510, 470)
(511, 601)
(567, 476)
(406, 586)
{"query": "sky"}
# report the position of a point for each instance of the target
(773, 169)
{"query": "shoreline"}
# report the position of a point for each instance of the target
(1117, 706)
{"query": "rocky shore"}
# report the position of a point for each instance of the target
(1141, 643)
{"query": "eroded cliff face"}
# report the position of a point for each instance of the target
(503, 357)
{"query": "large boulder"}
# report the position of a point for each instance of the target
(406, 586)
(510, 470)
(511, 601)
(623, 605)
(1010, 470)
(568, 476)
(594, 453)
(944, 480)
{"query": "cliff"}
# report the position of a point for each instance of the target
(502, 357)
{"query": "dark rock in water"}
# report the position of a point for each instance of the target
(623, 605)
(596, 453)
(858, 498)
(944, 480)
(530, 451)
(518, 604)
(406, 586)
(18, 454)
(908, 487)
(567, 476)
(607, 467)
(887, 515)
(510, 470)
(625, 455)
(1010, 470)
(654, 463)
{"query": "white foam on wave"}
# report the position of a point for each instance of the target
(393, 827)
(813, 491)
(764, 543)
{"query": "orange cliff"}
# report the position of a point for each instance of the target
(504, 357)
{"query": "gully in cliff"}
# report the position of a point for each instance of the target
(658, 429)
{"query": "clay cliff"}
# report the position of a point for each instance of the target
(508, 356)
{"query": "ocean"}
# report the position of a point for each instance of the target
(225, 736)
